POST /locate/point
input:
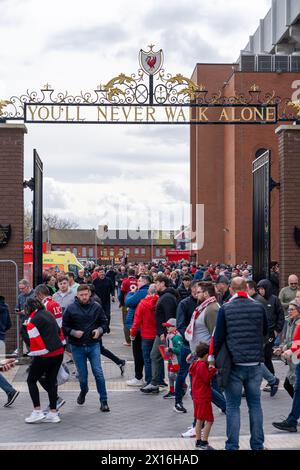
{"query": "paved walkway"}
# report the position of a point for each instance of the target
(136, 421)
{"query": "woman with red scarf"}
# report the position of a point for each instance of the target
(47, 350)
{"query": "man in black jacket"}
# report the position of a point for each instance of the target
(165, 308)
(275, 315)
(241, 325)
(222, 289)
(104, 289)
(184, 314)
(84, 322)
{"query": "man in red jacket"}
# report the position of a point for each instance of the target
(145, 320)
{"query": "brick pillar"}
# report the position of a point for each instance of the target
(289, 214)
(12, 212)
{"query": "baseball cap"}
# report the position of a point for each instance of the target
(170, 322)
(223, 280)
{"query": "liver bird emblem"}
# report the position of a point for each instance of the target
(151, 61)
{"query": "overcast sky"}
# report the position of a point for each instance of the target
(90, 170)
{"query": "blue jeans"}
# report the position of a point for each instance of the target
(267, 375)
(182, 374)
(295, 412)
(147, 345)
(92, 353)
(249, 377)
(6, 387)
(217, 396)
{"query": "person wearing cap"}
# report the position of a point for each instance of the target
(173, 349)
(222, 288)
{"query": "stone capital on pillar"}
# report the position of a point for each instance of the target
(289, 214)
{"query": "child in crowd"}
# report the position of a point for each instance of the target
(202, 373)
(172, 353)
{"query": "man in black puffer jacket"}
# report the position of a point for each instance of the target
(84, 322)
(165, 308)
(275, 315)
(242, 324)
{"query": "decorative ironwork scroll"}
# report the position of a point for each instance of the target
(151, 87)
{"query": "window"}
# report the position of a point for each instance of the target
(75, 251)
(164, 251)
(112, 252)
(83, 253)
(157, 252)
(136, 251)
(127, 251)
(143, 251)
(105, 252)
(91, 252)
(260, 152)
(120, 251)
(68, 249)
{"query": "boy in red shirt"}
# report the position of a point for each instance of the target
(202, 373)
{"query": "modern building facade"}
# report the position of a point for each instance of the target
(221, 155)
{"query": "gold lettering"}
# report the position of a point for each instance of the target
(270, 114)
(181, 115)
(233, 118)
(150, 113)
(193, 115)
(244, 116)
(60, 109)
(202, 114)
(67, 115)
(78, 118)
(224, 115)
(46, 115)
(124, 111)
(259, 114)
(32, 112)
(137, 114)
(102, 112)
(170, 112)
(114, 113)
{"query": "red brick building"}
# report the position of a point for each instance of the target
(221, 155)
(142, 246)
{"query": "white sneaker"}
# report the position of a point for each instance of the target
(51, 418)
(191, 432)
(36, 417)
(135, 383)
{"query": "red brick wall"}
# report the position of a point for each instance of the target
(11, 212)
(289, 167)
(224, 155)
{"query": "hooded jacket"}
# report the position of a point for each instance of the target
(144, 318)
(165, 308)
(273, 307)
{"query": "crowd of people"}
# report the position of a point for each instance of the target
(210, 323)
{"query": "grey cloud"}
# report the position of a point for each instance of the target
(88, 38)
(188, 48)
(175, 191)
(172, 14)
(53, 198)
